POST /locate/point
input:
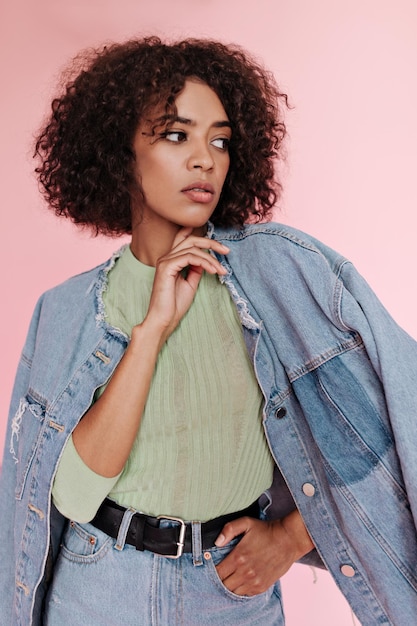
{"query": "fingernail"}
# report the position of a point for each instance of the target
(220, 540)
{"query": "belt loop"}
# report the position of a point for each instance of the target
(196, 543)
(264, 502)
(123, 528)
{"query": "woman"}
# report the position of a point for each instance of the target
(147, 424)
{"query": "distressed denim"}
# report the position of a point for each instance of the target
(339, 381)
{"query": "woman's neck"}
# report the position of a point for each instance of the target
(151, 240)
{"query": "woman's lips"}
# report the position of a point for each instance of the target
(199, 192)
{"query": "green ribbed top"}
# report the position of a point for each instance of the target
(200, 451)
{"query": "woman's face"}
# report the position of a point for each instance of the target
(182, 167)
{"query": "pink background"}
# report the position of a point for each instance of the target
(350, 70)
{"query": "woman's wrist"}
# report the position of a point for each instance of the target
(147, 336)
(294, 526)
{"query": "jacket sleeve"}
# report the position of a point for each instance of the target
(8, 476)
(393, 354)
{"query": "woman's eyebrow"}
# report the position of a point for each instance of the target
(189, 122)
(222, 124)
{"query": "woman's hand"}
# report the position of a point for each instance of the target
(177, 276)
(264, 554)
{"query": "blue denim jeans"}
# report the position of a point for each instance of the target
(101, 581)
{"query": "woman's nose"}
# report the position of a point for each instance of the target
(201, 158)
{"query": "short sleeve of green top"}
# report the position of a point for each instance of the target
(200, 451)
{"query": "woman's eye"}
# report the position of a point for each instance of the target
(221, 142)
(176, 136)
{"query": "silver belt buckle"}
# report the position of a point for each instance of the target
(180, 542)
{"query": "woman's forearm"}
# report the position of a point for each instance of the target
(105, 435)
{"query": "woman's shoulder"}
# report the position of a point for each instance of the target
(84, 283)
(276, 240)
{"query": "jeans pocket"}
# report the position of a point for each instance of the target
(216, 556)
(83, 543)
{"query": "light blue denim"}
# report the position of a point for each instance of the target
(339, 381)
(103, 581)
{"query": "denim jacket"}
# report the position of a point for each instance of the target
(340, 416)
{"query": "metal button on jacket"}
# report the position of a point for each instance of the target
(347, 570)
(309, 489)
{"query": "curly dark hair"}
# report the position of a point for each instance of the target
(87, 160)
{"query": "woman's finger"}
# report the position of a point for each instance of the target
(185, 239)
(174, 263)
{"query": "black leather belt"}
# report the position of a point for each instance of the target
(171, 541)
